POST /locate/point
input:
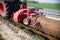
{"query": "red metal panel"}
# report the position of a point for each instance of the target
(1, 8)
(19, 15)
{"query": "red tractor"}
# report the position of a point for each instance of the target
(18, 11)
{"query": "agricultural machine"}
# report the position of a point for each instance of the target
(18, 11)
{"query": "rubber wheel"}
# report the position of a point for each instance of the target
(3, 9)
(26, 22)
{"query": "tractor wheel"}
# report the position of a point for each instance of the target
(26, 21)
(3, 9)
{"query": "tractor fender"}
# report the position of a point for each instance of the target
(18, 15)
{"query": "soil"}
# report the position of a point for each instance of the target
(50, 26)
(10, 32)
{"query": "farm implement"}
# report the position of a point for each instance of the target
(20, 13)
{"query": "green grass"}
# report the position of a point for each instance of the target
(46, 5)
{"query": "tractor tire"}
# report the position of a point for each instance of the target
(3, 9)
